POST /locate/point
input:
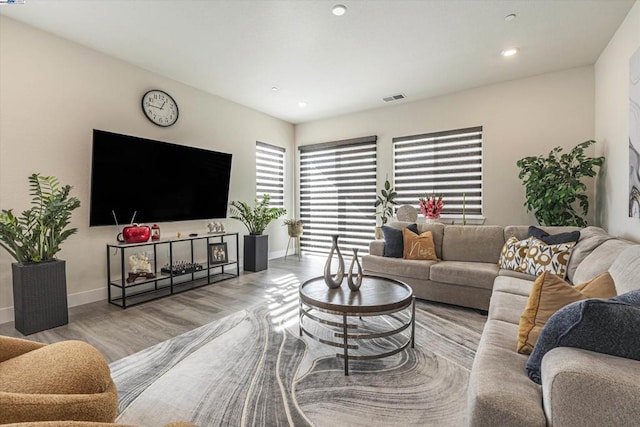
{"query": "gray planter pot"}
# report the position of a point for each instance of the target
(256, 252)
(39, 296)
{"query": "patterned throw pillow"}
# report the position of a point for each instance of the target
(541, 257)
(513, 252)
(418, 246)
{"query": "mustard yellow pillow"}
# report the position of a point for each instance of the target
(418, 246)
(549, 294)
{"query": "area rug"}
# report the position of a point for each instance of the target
(253, 369)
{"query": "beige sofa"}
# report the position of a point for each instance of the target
(579, 388)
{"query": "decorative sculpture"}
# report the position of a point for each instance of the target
(139, 266)
(334, 281)
(355, 286)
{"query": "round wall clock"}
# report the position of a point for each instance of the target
(160, 108)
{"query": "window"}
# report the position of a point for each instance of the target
(337, 194)
(447, 163)
(270, 173)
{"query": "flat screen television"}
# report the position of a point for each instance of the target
(158, 181)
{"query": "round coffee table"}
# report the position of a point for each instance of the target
(328, 312)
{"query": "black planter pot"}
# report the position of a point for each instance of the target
(39, 296)
(256, 252)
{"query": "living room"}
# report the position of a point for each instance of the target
(54, 92)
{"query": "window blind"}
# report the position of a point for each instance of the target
(337, 194)
(442, 163)
(270, 173)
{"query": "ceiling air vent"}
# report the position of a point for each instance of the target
(394, 97)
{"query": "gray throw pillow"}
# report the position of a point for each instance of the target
(553, 239)
(393, 241)
(604, 326)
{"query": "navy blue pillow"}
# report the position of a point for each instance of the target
(604, 326)
(553, 239)
(393, 241)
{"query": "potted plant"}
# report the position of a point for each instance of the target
(553, 185)
(33, 239)
(385, 201)
(256, 219)
(294, 227)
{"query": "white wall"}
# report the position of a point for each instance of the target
(526, 117)
(612, 127)
(54, 92)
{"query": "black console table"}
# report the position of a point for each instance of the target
(178, 265)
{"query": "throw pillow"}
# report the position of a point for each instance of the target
(418, 246)
(604, 326)
(513, 252)
(549, 294)
(393, 243)
(553, 239)
(541, 257)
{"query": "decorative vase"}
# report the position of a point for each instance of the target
(334, 281)
(294, 230)
(355, 286)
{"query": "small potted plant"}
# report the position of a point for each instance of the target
(385, 201)
(294, 227)
(33, 239)
(256, 219)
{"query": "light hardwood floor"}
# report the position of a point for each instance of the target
(118, 333)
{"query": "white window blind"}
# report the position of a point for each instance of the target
(447, 163)
(270, 173)
(337, 194)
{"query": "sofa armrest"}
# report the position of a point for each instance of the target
(376, 247)
(581, 387)
(12, 347)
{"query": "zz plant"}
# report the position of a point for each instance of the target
(258, 217)
(553, 185)
(36, 235)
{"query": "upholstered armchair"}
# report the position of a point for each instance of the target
(67, 380)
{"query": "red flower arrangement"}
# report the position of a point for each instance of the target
(431, 206)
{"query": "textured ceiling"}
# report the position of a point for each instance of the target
(240, 49)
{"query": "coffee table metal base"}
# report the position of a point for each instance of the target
(346, 330)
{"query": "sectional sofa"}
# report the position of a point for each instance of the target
(579, 387)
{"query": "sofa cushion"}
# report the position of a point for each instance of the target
(590, 238)
(625, 269)
(516, 274)
(402, 268)
(475, 274)
(512, 253)
(481, 243)
(599, 260)
(66, 367)
(553, 239)
(604, 326)
(437, 229)
(393, 243)
(549, 294)
(513, 285)
(418, 246)
(507, 307)
(542, 257)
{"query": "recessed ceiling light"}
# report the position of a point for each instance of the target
(510, 17)
(339, 9)
(510, 52)
(302, 104)
(274, 88)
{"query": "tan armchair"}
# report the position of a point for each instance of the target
(68, 380)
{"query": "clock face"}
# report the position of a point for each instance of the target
(160, 108)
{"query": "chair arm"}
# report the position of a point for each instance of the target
(12, 347)
(580, 387)
(376, 247)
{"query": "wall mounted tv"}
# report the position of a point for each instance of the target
(158, 181)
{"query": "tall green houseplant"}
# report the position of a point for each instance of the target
(554, 187)
(385, 201)
(258, 217)
(33, 239)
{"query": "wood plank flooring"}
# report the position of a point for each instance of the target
(118, 333)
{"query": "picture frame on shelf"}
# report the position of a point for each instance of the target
(218, 253)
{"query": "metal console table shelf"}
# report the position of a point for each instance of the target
(124, 294)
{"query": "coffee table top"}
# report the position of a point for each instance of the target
(376, 295)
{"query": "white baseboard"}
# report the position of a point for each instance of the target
(73, 300)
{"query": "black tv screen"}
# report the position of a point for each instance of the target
(158, 181)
